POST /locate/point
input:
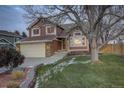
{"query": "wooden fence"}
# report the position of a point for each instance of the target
(113, 48)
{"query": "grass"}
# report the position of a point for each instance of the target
(46, 67)
(109, 73)
(81, 58)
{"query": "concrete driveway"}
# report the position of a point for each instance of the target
(32, 62)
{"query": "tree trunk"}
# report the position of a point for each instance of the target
(94, 55)
(89, 48)
(94, 51)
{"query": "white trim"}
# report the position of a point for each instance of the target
(32, 33)
(54, 33)
(4, 43)
(85, 39)
(8, 41)
(36, 41)
(72, 38)
(35, 21)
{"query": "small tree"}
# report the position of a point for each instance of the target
(17, 32)
(24, 34)
(10, 58)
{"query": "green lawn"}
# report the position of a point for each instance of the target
(109, 73)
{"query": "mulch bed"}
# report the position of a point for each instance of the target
(6, 77)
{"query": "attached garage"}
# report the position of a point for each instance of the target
(33, 49)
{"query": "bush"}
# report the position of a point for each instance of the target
(17, 75)
(13, 84)
(10, 58)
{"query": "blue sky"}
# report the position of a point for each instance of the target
(11, 18)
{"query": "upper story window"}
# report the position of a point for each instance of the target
(50, 30)
(35, 32)
(77, 40)
(78, 33)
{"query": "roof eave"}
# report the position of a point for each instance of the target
(36, 41)
(11, 35)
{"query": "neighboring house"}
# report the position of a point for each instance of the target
(45, 39)
(8, 39)
(118, 40)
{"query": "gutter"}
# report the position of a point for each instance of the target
(37, 41)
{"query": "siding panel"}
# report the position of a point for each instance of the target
(33, 50)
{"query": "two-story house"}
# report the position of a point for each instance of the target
(45, 38)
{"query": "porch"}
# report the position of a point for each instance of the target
(55, 46)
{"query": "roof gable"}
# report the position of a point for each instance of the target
(44, 21)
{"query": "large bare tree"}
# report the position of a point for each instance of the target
(99, 24)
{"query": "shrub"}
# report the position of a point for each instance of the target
(10, 58)
(13, 84)
(17, 75)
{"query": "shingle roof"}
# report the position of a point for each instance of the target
(4, 32)
(66, 28)
(39, 38)
(46, 21)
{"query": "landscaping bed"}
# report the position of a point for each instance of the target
(12, 80)
(83, 74)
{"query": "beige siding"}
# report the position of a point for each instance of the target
(33, 50)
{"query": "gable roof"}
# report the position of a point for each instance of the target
(4, 32)
(68, 26)
(44, 20)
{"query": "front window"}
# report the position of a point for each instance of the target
(78, 33)
(35, 32)
(77, 41)
(50, 30)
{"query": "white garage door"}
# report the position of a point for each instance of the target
(33, 50)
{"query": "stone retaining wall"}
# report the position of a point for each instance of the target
(30, 78)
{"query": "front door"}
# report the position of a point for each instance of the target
(64, 44)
